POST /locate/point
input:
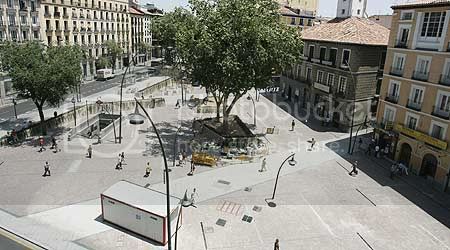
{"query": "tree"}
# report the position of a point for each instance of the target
(114, 52)
(231, 46)
(42, 74)
(103, 63)
(145, 48)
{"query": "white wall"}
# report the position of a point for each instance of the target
(351, 8)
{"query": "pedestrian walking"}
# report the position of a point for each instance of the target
(193, 195)
(192, 167)
(180, 159)
(263, 166)
(122, 156)
(394, 169)
(53, 142)
(148, 170)
(46, 170)
(369, 150)
(360, 142)
(313, 142)
(292, 125)
(354, 169)
(377, 151)
(119, 162)
(89, 151)
(184, 156)
(276, 246)
(41, 144)
(177, 105)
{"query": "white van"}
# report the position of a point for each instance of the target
(104, 74)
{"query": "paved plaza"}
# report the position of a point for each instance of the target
(319, 206)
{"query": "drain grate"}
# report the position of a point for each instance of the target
(247, 218)
(229, 207)
(257, 208)
(221, 222)
(224, 182)
(248, 189)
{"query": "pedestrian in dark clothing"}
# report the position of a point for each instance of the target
(276, 246)
(46, 169)
(292, 125)
(89, 150)
(192, 167)
(354, 169)
(360, 142)
(41, 144)
(313, 142)
(119, 162)
(177, 105)
(122, 156)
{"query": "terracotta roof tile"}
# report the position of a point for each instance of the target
(353, 30)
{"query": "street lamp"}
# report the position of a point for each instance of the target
(353, 109)
(175, 146)
(292, 162)
(137, 118)
(249, 97)
(120, 102)
(74, 111)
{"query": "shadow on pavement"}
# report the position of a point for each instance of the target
(379, 170)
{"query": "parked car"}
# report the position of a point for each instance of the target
(104, 74)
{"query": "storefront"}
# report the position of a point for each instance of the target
(387, 140)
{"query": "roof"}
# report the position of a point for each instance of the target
(143, 198)
(135, 11)
(421, 3)
(288, 11)
(353, 30)
(285, 11)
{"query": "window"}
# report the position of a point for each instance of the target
(389, 114)
(308, 74)
(301, 22)
(443, 101)
(293, 21)
(25, 35)
(343, 11)
(34, 20)
(320, 76)
(432, 24)
(359, 12)
(330, 80)
(406, 15)
(416, 95)
(13, 35)
(342, 84)
(36, 35)
(438, 130)
(33, 6)
(2, 37)
(399, 61)
(346, 57)
(423, 65)
(333, 55)
(446, 70)
(323, 52)
(311, 51)
(23, 19)
(12, 19)
(394, 88)
(411, 121)
(10, 3)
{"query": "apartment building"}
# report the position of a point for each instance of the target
(298, 18)
(88, 23)
(414, 111)
(339, 71)
(137, 33)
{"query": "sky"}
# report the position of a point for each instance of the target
(326, 7)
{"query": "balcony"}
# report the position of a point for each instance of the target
(420, 76)
(344, 66)
(315, 60)
(417, 106)
(49, 29)
(74, 15)
(441, 113)
(321, 86)
(75, 30)
(65, 15)
(57, 14)
(58, 29)
(445, 80)
(327, 63)
(401, 44)
(47, 15)
(391, 98)
(396, 71)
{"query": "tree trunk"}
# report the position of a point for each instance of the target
(225, 115)
(217, 110)
(42, 118)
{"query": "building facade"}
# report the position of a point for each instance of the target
(347, 8)
(137, 34)
(297, 18)
(384, 20)
(339, 72)
(88, 23)
(414, 111)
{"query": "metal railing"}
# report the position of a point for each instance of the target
(391, 98)
(441, 113)
(445, 79)
(414, 105)
(396, 71)
(421, 76)
(401, 44)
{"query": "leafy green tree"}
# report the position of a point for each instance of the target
(231, 46)
(103, 63)
(114, 52)
(145, 48)
(42, 74)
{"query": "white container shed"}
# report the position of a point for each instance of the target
(140, 210)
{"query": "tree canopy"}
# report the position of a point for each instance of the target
(230, 46)
(114, 52)
(42, 74)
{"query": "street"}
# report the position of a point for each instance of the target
(12, 242)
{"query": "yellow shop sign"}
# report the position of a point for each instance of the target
(421, 137)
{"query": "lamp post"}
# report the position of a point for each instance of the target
(74, 111)
(249, 97)
(175, 146)
(291, 162)
(121, 95)
(15, 110)
(136, 118)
